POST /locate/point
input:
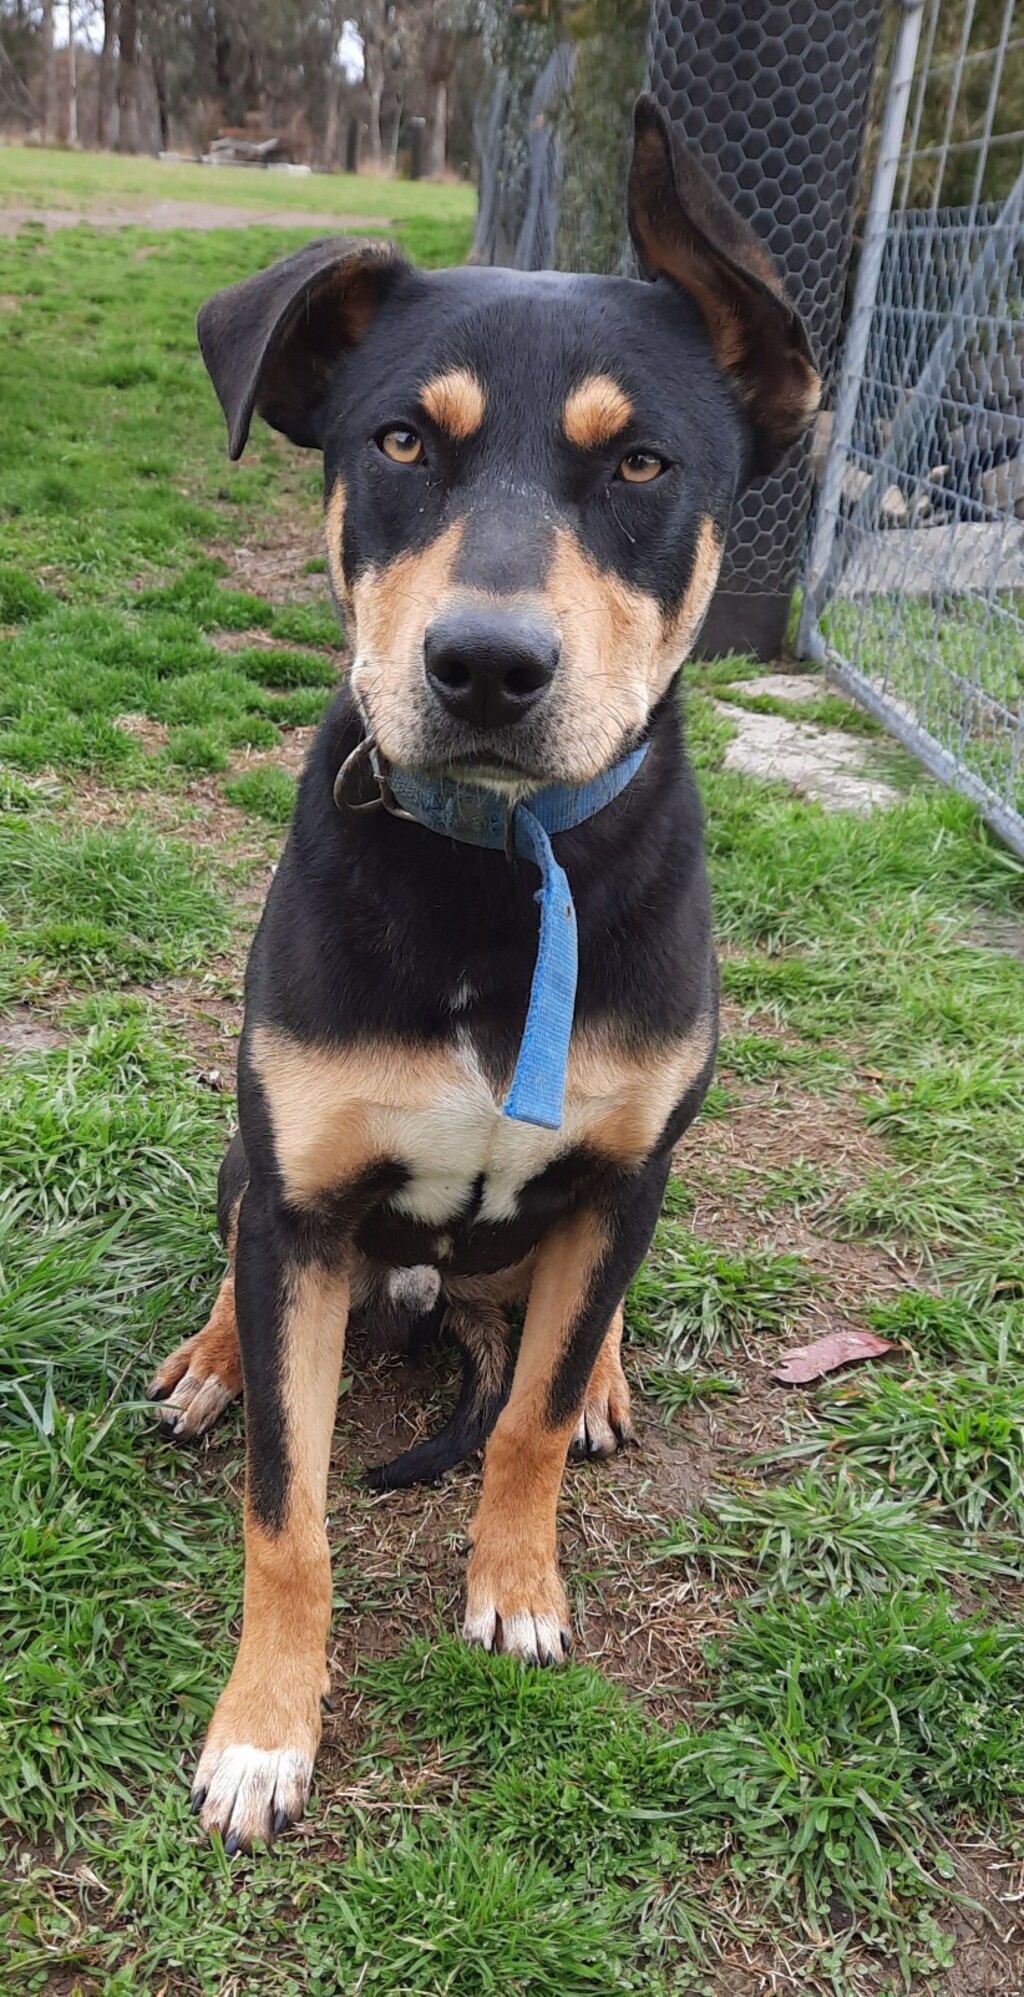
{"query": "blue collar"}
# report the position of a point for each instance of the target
(483, 818)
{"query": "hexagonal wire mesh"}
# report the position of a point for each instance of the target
(915, 592)
(775, 97)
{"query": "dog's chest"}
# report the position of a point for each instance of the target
(434, 1113)
(462, 1148)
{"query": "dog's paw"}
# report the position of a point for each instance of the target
(198, 1381)
(256, 1766)
(527, 1617)
(605, 1423)
(249, 1793)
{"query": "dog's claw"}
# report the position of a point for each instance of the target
(281, 1821)
(198, 1799)
(231, 1845)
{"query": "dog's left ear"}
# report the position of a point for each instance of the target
(684, 228)
(271, 343)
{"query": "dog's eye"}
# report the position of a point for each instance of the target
(402, 446)
(641, 467)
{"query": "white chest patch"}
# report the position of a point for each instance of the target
(338, 1111)
(449, 1145)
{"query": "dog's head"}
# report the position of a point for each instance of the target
(528, 476)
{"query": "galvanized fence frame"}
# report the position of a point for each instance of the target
(914, 593)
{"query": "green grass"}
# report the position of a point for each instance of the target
(674, 1389)
(473, 1827)
(980, 647)
(690, 1298)
(951, 1438)
(820, 1535)
(901, 1682)
(266, 792)
(103, 905)
(37, 177)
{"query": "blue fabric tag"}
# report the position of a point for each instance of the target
(480, 818)
(537, 1094)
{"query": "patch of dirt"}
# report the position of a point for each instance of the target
(198, 813)
(248, 641)
(989, 1933)
(777, 1125)
(998, 932)
(273, 567)
(400, 1557)
(288, 754)
(153, 735)
(208, 1022)
(189, 215)
(23, 1032)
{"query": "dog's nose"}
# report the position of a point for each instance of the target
(488, 668)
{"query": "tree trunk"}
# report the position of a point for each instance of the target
(128, 78)
(162, 106)
(49, 77)
(106, 76)
(396, 134)
(72, 78)
(374, 73)
(332, 130)
(437, 140)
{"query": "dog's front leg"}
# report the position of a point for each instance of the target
(257, 1762)
(515, 1600)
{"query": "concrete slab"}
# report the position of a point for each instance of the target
(819, 763)
(784, 686)
(975, 555)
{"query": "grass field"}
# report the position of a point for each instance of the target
(790, 1757)
(32, 177)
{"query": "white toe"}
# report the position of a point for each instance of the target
(251, 1791)
(195, 1404)
(536, 1639)
(480, 1625)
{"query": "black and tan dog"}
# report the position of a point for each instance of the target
(528, 479)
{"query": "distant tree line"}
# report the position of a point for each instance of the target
(157, 75)
(535, 92)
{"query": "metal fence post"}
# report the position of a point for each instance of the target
(809, 642)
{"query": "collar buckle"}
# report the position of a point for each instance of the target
(363, 751)
(385, 800)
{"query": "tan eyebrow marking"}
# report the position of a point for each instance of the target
(596, 411)
(455, 402)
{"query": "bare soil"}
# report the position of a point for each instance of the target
(188, 215)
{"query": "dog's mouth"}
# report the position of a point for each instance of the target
(494, 771)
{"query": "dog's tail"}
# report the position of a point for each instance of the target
(482, 1336)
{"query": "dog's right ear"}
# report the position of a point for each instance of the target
(272, 342)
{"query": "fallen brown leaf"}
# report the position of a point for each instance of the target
(826, 1355)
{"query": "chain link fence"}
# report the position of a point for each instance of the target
(915, 577)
